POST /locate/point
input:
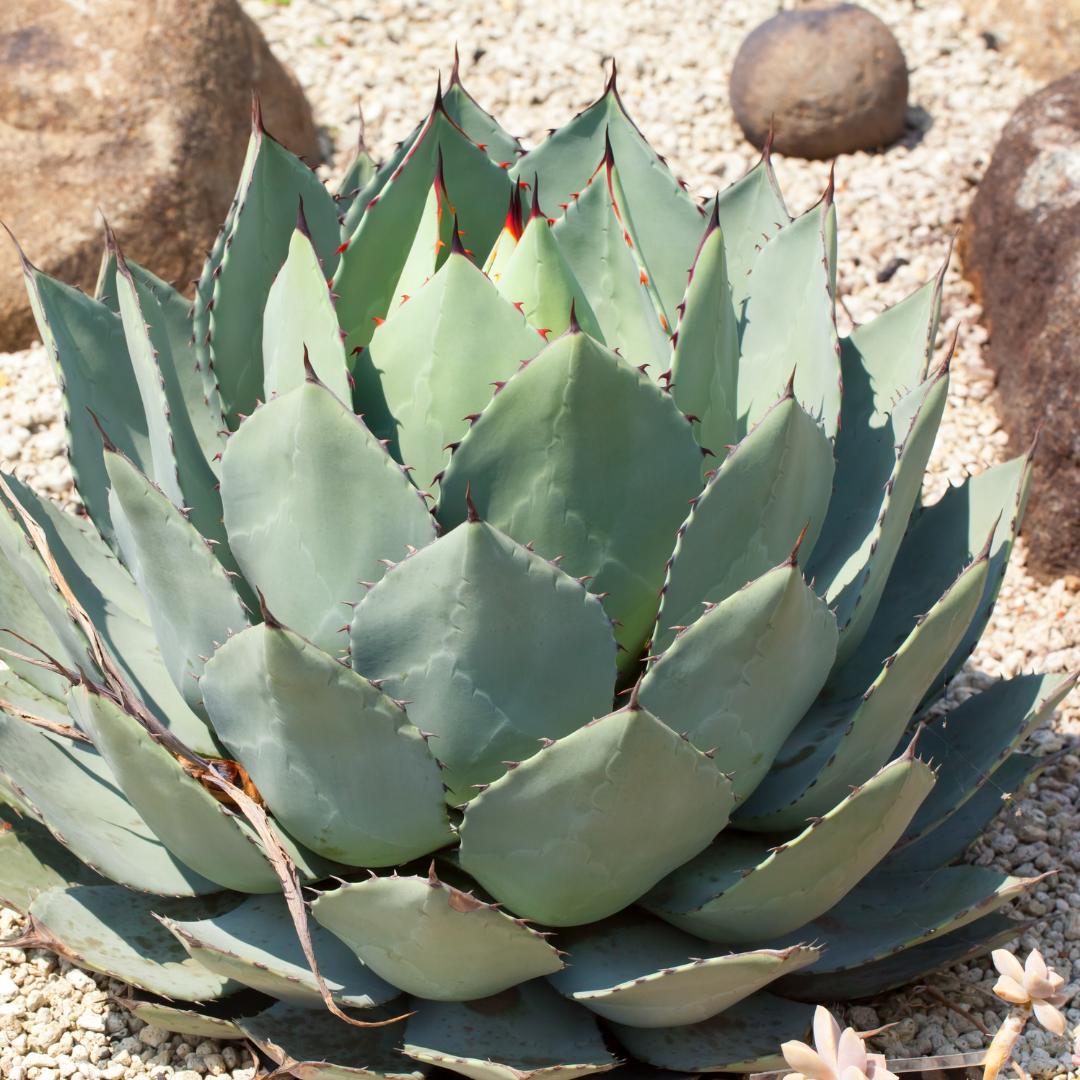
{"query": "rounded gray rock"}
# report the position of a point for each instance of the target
(833, 80)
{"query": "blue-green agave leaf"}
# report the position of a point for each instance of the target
(635, 970)
(742, 889)
(525, 1032)
(269, 196)
(114, 931)
(469, 630)
(776, 483)
(336, 760)
(743, 675)
(594, 820)
(841, 744)
(313, 505)
(433, 940)
(788, 323)
(742, 1039)
(299, 323)
(256, 944)
(438, 356)
(589, 459)
(705, 367)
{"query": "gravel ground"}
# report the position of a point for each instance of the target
(534, 65)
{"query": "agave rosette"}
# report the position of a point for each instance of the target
(617, 733)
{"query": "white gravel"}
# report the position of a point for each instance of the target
(534, 65)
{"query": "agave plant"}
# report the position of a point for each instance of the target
(576, 756)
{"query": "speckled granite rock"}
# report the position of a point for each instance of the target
(1021, 250)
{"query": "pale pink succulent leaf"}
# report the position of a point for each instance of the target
(1049, 1017)
(1008, 988)
(853, 1073)
(1035, 966)
(875, 1068)
(826, 1035)
(1038, 987)
(1007, 964)
(1057, 1000)
(851, 1052)
(807, 1061)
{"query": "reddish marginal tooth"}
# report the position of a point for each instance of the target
(519, 304)
(343, 247)
(543, 333)
(377, 321)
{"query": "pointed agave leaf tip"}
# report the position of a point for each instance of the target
(474, 514)
(256, 114)
(793, 558)
(301, 220)
(574, 327)
(536, 211)
(433, 878)
(456, 246)
(107, 442)
(361, 145)
(27, 265)
(830, 189)
(766, 152)
(438, 106)
(513, 214)
(111, 246)
(309, 371)
(268, 618)
(984, 552)
(612, 83)
(455, 72)
(789, 390)
(634, 704)
(909, 753)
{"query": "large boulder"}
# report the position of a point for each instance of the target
(141, 108)
(833, 80)
(1020, 248)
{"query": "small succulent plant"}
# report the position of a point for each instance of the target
(626, 729)
(835, 1055)
(1028, 987)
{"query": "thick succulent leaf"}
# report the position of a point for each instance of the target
(336, 760)
(108, 594)
(788, 324)
(586, 457)
(669, 224)
(743, 675)
(256, 944)
(538, 281)
(191, 601)
(886, 913)
(869, 980)
(270, 194)
(523, 1032)
(31, 861)
(312, 504)
(841, 744)
(705, 368)
(183, 814)
(23, 695)
(433, 940)
(596, 243)
(357, 177)
(878, 480)
(315, 1045)
(741, 889)
(181, 469)
(113, 930)
(750, 516)
(189, 392)
(19, 611)
(206, 1019)
(479, 124)
(377, 251)
(69, 786)
(970, 742)
(948, 841)
(373, 188)
(742, 1039)
(940, 541)
(431, 245)
(638, 971)
(86, 344)
(594, 820)
(440, 353)
(469, 631)
(299, 322)
(751, 212)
